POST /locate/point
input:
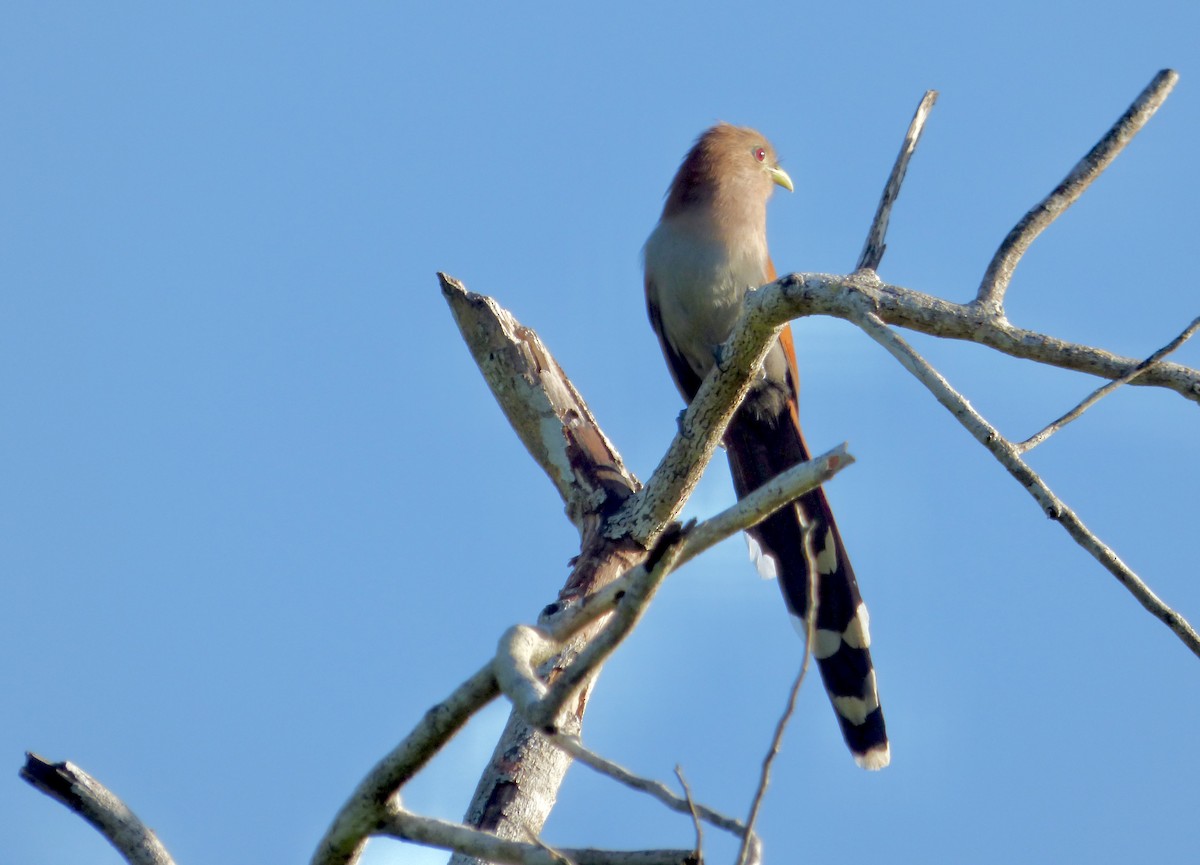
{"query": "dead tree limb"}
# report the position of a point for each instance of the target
(95, 803)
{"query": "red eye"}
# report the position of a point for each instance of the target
(760, 154)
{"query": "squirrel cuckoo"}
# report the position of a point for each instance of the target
(708, 249)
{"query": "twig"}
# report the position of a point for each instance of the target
(990, 297)
(874, 247)
(1104, 390)
(658, 790)
(559, 856)
(781, 490)
(430, 832)
(1007, 454)
(764, 778)
(699, 827)
(86, 796)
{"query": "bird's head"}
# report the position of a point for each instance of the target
(728, 167)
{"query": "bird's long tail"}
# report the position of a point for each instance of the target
(758, 450)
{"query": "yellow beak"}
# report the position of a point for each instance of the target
(781, 177)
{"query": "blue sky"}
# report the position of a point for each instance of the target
(259, 510)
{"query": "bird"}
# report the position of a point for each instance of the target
(707, 251)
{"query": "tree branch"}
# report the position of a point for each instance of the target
(990, 297)
(696, 824)
(656, 789)
(633, 589)
(1104, 390)
(545, 410)
(874, 247)
(87, 797)
(406, 826)
(648, 576)
(346, 837)
(1010, 458)
(701, 427)
(749, 853)
(839, 296)
(516, 791)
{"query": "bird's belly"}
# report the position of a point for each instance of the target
(699, 313)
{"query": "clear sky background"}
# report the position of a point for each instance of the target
(259, 510)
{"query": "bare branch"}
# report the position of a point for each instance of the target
(990, 297)
(564, 438)
(87, 797)
(1104, 390)
(345, 838)
(781, 490)
(696, 824)
(704, 422)
(804, 294)
(518, 788)
(701, 427)
(874, 247)
(547, 413)
(810, 630)
(1010, 458)
(405, 826)
(558, 855)
(643, 515)
(631, 592)
(656, 789)
(648, 577)
(746, 512)
(844, 297)
(521, 650)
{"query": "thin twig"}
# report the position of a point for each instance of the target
(764, 778)
(781, 490)
(1007, 454)
(990, 296)
(658, 790)
(86, 796)
(431, 832)
(875, 245)
(1104, 390)
(559, 857)
(687, 792)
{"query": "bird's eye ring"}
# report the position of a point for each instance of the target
(760, 154)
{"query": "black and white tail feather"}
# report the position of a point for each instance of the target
(783, 546)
